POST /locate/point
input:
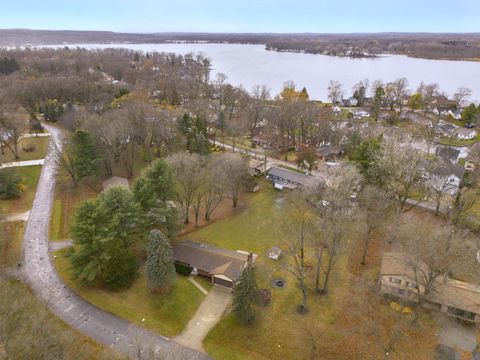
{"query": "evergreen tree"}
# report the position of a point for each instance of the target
(159, 265)
(79, 158)
(245, 296)
(84, 152)
(9, 184)
(103, 231)
(152, 191)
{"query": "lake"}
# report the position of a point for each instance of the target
(250, 65)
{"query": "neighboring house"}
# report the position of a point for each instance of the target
(221, 266)
(465, 134)
(452, 297)
(115, 181)
(284, 178)
(447, 129)
(350, 102)
(256, 167)
(445, 177)
(353, 101)
(329, 152)
(457, 115)
(448, 153)
(361, 114)
(337, 110)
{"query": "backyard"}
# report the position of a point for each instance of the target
(281, 333)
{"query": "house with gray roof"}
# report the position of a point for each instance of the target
(284, 178)
(222, 267)
(443, 176)
(448, 153)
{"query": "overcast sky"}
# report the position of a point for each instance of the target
(244, 15)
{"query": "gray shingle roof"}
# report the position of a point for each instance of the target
(210, 259)
(290, 175)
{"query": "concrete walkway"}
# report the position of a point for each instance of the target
(17, 217)
(59, 245)
(197, 285)
(458, 336)
(22, 163)
(40, 274)
(207, 315)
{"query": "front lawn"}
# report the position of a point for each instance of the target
(11, 243)
(31, 148)
(30, 176)
(458, 143)
(166, 314)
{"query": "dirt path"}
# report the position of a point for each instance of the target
(207, 315)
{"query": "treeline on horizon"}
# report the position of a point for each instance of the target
(422, 45)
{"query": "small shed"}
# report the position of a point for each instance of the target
(116, 181)
(274, 253)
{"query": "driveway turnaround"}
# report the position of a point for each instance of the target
(40, 274)
(207, 315)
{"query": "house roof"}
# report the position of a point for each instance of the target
(211, 259)
(115, 181)
(451, 292)
(291, 176)
(448, 153)
(327, 150)
(443, 168)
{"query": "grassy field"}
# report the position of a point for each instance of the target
(282, 333)
(25, 317)
(39, 146)
(166, 314)
(30, 176)
(458, 143)
(11, 243)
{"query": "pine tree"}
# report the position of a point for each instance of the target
(160, 267)
(104, 231)
(245, 296)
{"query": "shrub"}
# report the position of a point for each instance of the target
(29, 148)
(10, 187)
(183, 269)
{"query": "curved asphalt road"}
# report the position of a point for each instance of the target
(42, 277)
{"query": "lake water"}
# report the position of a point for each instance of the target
(250, 65)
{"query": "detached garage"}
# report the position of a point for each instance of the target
(223, 267)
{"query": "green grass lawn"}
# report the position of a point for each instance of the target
(40, 147)
(24, 315)
(278, 334)
(11, 243)
(30, 176)
(458, 143)
(166, 314)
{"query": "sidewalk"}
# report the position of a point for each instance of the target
(22, 163)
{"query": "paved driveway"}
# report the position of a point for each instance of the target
(40, 274)
(207, 315)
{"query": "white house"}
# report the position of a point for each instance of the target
(465, 134)
(336, 110)
(445, 177)
(457, 115)
(361, 114)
